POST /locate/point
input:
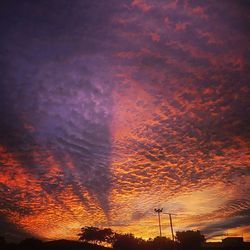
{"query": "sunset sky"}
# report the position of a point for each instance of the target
(111, 108)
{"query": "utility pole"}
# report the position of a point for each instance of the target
(171, 224)
(158, 211)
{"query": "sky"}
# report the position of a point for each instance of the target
(110, 109)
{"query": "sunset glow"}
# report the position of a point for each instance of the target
(110, 109)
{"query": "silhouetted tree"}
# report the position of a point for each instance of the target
(128, 241)
(96, 235)
(160, 243)
(31, 243)
(190, 239)
(2, 241)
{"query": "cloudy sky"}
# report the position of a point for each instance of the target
(110, 109)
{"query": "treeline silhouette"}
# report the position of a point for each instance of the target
(93, 238)
(106, 236)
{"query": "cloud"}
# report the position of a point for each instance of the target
(110, 110)
(228, 223)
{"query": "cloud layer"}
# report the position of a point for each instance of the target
(110, 110)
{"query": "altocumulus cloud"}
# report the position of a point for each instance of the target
(110, 109)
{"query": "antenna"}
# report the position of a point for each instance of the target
(158, 211)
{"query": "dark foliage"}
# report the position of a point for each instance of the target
(190, 239)
(2, 241)
(53, 245)
(161, 243)
(31, 243)
(128, 241)
(187, 240)
(96, 235)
